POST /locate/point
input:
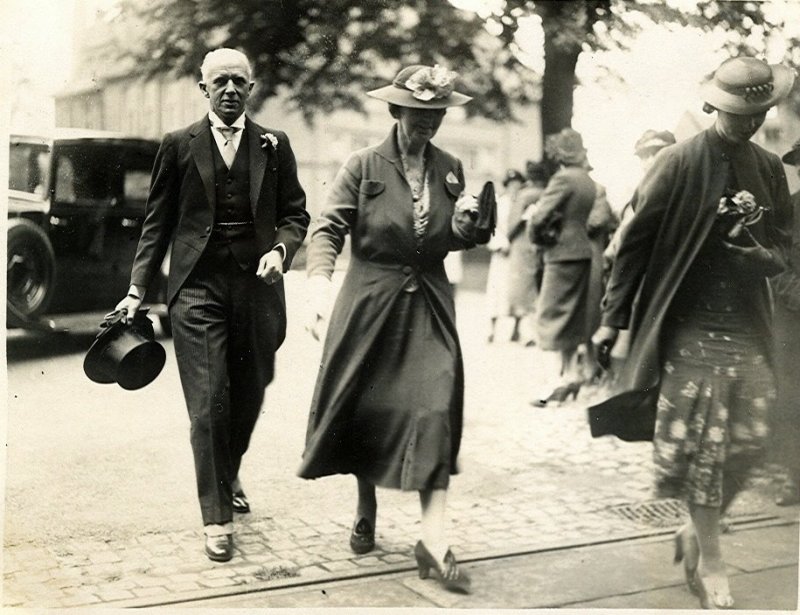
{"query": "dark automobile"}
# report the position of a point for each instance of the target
(75, 210)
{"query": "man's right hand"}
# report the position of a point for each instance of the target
(128, 306)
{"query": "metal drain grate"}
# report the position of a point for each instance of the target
(658, 513)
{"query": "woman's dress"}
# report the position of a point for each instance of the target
(388, 401)
(716, 382)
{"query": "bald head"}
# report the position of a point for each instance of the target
(224, 57)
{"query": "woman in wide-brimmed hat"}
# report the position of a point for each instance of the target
(388, 401)
(711, 225)
(561, 309)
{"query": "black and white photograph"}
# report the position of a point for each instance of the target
(420, 305)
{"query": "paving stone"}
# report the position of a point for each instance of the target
(217, 573)
(340, 566)
(118, 594)
(187, 586)
(217, 582)
(145, 592)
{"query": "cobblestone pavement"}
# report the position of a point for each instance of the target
(100, 505)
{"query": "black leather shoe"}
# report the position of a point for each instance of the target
(362, 538)
(219, 548)
(240, 503)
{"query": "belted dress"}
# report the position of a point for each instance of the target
(388, 401)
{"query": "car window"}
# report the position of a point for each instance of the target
(102, 174)
(28, 167)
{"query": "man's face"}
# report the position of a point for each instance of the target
(739, 128)
(227, 86)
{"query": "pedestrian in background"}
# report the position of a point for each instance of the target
(498, 277)
(711, 225)
(558, 224)
(388, 402)
(524, 260)
(785, 418)
(599, 226)
(647, 146)
(225, 194)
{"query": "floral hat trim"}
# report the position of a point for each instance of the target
(431, 83)
(424, 87)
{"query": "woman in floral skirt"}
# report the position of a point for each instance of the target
(711, 225)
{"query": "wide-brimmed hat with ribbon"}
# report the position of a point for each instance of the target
(422, 87)
(793, 155)
(566, 147)
(744, 86)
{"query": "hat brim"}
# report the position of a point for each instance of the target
(142, 361)
(782, 79)
(93, 364)
(791, 157)
(404, 98)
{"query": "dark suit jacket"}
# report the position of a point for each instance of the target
(181, 204)
(570, 192)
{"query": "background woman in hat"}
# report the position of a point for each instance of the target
(561, 309)
(524, 259)
(498, 277)
(388, 402)
(711, 224)
(785, 418)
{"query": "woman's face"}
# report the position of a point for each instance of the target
(739, 128)
(420, 125)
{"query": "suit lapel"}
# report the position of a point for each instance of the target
(258, 162)
(201, 151)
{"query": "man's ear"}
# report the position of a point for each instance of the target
(202, 86)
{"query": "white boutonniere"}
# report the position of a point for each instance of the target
(270, 138)
(451, 178)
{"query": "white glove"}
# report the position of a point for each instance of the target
(320, 290)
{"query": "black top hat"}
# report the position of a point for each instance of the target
(125, 354)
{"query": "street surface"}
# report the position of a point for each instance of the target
(100, 497)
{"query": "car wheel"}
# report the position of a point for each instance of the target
(166, 325)
(31, 269)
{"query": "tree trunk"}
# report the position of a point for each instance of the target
(558, 84)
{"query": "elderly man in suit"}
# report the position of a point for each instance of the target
(225, 193)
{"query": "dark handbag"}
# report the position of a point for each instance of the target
(487, 214)
(546, 233)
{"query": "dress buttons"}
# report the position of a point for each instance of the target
(229, 196)
(208, 229)
(407, 269)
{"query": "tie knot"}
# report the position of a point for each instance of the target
(227, 131)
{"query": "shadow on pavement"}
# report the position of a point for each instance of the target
(28, 346)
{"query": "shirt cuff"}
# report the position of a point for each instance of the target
(282, 249)
(136, 291)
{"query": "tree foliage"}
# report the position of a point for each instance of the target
(325, 54)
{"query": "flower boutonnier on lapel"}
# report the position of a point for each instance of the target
(269, 143)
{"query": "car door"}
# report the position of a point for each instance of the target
(99, 192)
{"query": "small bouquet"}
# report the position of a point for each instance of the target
(736, 212)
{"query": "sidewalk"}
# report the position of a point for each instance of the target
(100, 506)
(630, 574)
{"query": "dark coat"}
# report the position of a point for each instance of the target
(785, 417)
(182, 201)
(371, 200)
(570, 193)
(675, 207)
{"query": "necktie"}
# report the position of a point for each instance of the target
(228, 150)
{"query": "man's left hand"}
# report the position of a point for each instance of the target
(270, 267)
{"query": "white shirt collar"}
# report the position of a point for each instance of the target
(217, 122)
